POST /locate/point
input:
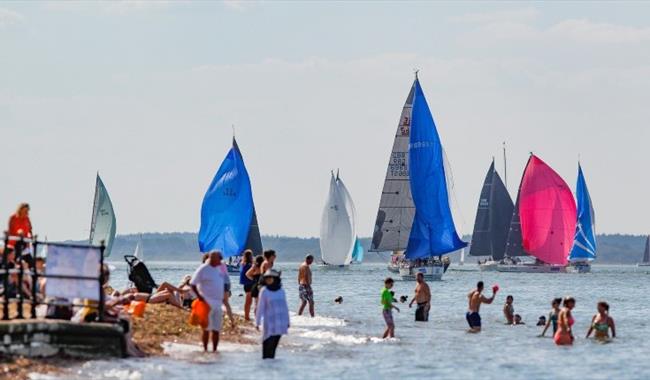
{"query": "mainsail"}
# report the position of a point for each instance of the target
(337, 230)
(493, 218)
(584, 243)
(433, 232)
(547, 213)
(102, 224)
(396, 208)
(227, 212)
(646, 253)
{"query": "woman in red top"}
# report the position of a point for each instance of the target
(19, 223)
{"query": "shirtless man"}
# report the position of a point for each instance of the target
(269, 259)
(423, 298)
(475, 300)
(509, 311)
(304, 286)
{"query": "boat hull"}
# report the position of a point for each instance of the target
(489, 266)
(643, 265)
(431, 272)
(530, 268)
(579, 268)
(393, 268)
(233, 269)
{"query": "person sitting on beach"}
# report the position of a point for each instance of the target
(601, 323)
(564, 334)
(509, 310)
(423, 299)
(305, 292)
(273, 313)
(552, 316)
(387, 308)
(254, 275)
(476, 298)
(247, 283)
(208, 285)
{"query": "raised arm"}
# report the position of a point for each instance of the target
(486, 300)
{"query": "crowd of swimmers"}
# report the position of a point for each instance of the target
(560, 318)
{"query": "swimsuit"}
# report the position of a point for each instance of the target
(562, 336)
(255, 291)
(553, 318)
(306, 294)
(473, 319)
(421, 312)
(388, 317)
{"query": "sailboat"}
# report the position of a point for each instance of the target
(584, 242)
(357, 252)
(543, 222)
(228, 218)
(414, 218)
(102, 224)
(337, 229)
(138, 252)
(492, 223)
(646, 254)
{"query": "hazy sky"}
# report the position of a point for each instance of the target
(146, 93)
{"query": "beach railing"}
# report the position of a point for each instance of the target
(26, 251)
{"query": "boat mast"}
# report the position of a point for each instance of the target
(505, 166)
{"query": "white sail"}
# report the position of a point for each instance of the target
(102, 225)
(139, 252)
(337, 230)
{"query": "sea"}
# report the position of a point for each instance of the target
(344, 340)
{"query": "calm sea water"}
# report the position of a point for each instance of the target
(343, 340)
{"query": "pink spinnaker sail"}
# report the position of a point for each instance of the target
(548, 213)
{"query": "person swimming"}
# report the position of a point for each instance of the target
(564, 333)
(552, 316)
(601, 323)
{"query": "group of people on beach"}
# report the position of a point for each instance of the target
(560, 318)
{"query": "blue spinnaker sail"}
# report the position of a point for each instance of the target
(227, 207)
(584, 243)
(433, 231)
(357, 252)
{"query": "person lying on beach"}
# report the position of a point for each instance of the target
(166, 293)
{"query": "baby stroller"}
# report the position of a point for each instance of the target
(139, 275)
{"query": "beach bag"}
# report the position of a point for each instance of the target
(199, 314)
(139, 275)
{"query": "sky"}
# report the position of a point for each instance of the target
(146, 93)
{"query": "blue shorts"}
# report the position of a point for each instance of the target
(473, 319)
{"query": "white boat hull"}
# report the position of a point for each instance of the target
(490, 266)
(393, 268)
(530, 268)
(579, 268)
(643, 265)
(432, 272)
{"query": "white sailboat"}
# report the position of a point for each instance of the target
(102, 225)
(337, 231)
(139, 250)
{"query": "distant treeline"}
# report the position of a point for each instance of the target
(183, 246)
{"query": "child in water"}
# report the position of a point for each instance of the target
(387, 304)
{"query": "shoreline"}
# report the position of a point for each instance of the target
(160, 324)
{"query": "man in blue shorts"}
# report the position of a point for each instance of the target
(476, 298)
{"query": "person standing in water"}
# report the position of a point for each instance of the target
(254, 274)
(387, 303)
(552, 316)
(509, 310)
(273, 312)
(423, 299)
(476, 298)
(601, 323)
(208, 285)
(564, 335)
(246, 265)
(304, 286)
(269, 259)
